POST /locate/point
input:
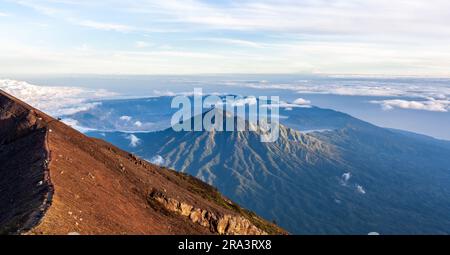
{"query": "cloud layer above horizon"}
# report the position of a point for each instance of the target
(192, 36)
(56, 101)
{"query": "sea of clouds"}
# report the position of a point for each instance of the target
(56, 101)
(424, 95)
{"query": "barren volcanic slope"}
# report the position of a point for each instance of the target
(55, 180)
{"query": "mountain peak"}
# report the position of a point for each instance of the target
(221, 120)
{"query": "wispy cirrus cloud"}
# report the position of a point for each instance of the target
(105, 26)
(313, 17)
(336, 36)
(336, 16)
(237, 42)
(40, 7)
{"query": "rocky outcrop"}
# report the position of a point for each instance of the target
(221, 224)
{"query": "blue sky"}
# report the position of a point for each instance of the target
(395, 37)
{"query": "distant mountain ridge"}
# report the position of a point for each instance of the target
(350, 178)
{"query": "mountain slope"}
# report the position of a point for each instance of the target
(350, 178)
(55, 180)
(24, 183)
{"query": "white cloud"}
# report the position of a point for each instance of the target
(164, 93)
(231, 41)
(55, 101)
(134, 140)
(287, 106)
(360, 189)
(158, 160)
(138, 123)
(301, 101)
(345, 178)
(336, 36)
(105, 26)
(75, 124)
(125, 118)
(41, 8)
(160, 93)
(435, 97)
(347, 17)
(428, 105)
(4, 14)
(70, 122)
(311, 87)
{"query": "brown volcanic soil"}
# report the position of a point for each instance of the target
(55, 180)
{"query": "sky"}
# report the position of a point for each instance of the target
(367, 37)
